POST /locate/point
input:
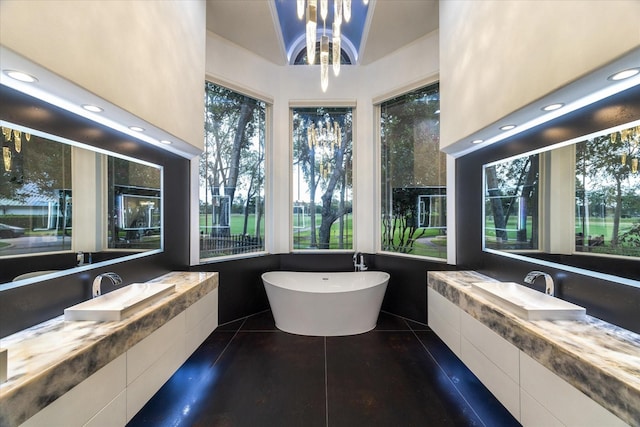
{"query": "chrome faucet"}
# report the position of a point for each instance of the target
(548, 281)
(97, 282)
(359, 266)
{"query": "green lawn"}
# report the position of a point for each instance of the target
(302, 235)
(435, 244)
(596, 227)
(430, 244)
(237, 224)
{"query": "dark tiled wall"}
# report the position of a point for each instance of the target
(241, 291)
(610, 301)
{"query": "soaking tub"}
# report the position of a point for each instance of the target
(325, 304)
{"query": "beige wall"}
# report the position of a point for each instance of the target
(497, 56)
(146, 57)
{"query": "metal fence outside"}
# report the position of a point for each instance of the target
(213, 246)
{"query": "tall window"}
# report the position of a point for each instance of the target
(322, 184)
(232, 174)
(413, 175)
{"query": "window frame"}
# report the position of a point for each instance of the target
(354, 138)
(195, 258)
(449, 183)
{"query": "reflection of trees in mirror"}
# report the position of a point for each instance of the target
(512, 204)
(35, 194)
(232, 173)
(413, 184)
(40, 187)
(323, 159)
(608, 193)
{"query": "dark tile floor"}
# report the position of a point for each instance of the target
(248, 373)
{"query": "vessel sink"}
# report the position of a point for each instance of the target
(528, 303)
(119, 304)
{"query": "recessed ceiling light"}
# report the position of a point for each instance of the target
(166, 142)
(92, 108)
(507, 127)
(477, 141)
(553, 107)
(19, 75)
(625, 74)
(136, 128)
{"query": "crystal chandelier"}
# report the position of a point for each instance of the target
(323, 140)
(309, 10)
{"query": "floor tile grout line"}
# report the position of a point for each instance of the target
(406, 319)
(449, 379)
(326, 384)
(229, 343)
(243, 318)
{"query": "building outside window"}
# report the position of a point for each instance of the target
(232, 174)
(322, 164)
(413, 175)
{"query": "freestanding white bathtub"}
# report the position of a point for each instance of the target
(325, 304)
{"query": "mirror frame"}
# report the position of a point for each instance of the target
(28, 112)
(617, 110)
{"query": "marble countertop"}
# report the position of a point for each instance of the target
(48, 359)
(600, 359)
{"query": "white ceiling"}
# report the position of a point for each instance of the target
(253, 25)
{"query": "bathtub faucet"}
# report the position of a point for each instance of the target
(359, 266)
(97, 282)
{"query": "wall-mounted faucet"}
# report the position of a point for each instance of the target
(97, 282)
(359, 266)
(548, 281)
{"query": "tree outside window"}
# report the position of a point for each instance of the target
(413, 185)
(322, 178)
(232, 174)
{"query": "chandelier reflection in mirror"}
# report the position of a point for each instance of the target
(628, 141)
(15, 136)
(308, 9)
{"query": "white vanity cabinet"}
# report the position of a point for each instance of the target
(115, 393)
(533, 394)
(545, 396)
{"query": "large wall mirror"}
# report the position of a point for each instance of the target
(580, 197)
(60, 196)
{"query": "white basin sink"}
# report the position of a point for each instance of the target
(528, 303)
(120, 303)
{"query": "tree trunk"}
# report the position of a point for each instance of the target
(617, 213)
(496, 203)
(313, 243)
(530, 194)
(246, 112)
